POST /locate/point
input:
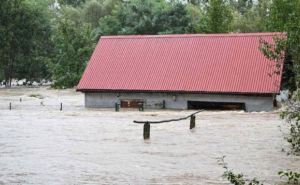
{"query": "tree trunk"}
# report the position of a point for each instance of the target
(11, 68)
(6, 76)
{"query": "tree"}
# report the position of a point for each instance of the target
(242, 6)
(24, 33)
(94, 10)
(196, 17)
(174, 19)
(250, 21)
(280, 14)
(263, 8)
(146, 17)
(74, 3)
(196, 2)
(284, 16)
(219, 16)
(74, 45)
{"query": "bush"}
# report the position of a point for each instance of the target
(236, 179)
(291, 113)
(293, 177)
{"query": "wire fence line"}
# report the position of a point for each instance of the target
(38, 105)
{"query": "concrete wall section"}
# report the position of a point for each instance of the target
(175, 101)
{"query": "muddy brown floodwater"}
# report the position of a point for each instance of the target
(39, 144)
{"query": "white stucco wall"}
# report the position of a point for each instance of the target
(154, 100)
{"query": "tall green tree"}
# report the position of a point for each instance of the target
(24, 36)
(263, 8)
(146, 17)
(250, 21)
(284, 16)
(242, 6)
(94, 10)
(196, 17)
(73, 47)
(219, 16)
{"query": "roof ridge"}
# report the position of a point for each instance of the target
(192, 35)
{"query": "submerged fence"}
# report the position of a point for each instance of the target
(146, 132)
(20, 104)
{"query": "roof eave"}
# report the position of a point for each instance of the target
(177, 92)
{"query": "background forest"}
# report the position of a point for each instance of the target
(53, 39)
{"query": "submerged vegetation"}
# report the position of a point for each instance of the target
(291, 113)
(236, 179)
(291, 177)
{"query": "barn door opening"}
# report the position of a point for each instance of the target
(131, 103)
(216, 105)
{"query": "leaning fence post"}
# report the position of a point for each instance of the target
(9, 105)
(61, 107)
(146, 130)
(193, 121)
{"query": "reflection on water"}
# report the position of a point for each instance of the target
(79, 146)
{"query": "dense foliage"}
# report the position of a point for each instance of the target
(285, 17)
(53, 39)
(24, 40)
(73, 47)
(292, 115)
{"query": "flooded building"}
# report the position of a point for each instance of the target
(190, 71)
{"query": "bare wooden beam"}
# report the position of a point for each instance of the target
(165, 121)
(146, 132)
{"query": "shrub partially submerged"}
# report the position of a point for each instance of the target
(236, 179)
(291, 113)
(292, 177)
(39, 96)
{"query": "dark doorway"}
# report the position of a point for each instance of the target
(131, 103)
(215, 105)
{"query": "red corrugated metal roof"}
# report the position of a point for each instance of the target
(216, 63)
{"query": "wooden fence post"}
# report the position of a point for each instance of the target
(146, 130)
(164, 104)
(193, 122)
(61, 107)
(117, 107)
(9, 105)
(20, 99)
(141, 106)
